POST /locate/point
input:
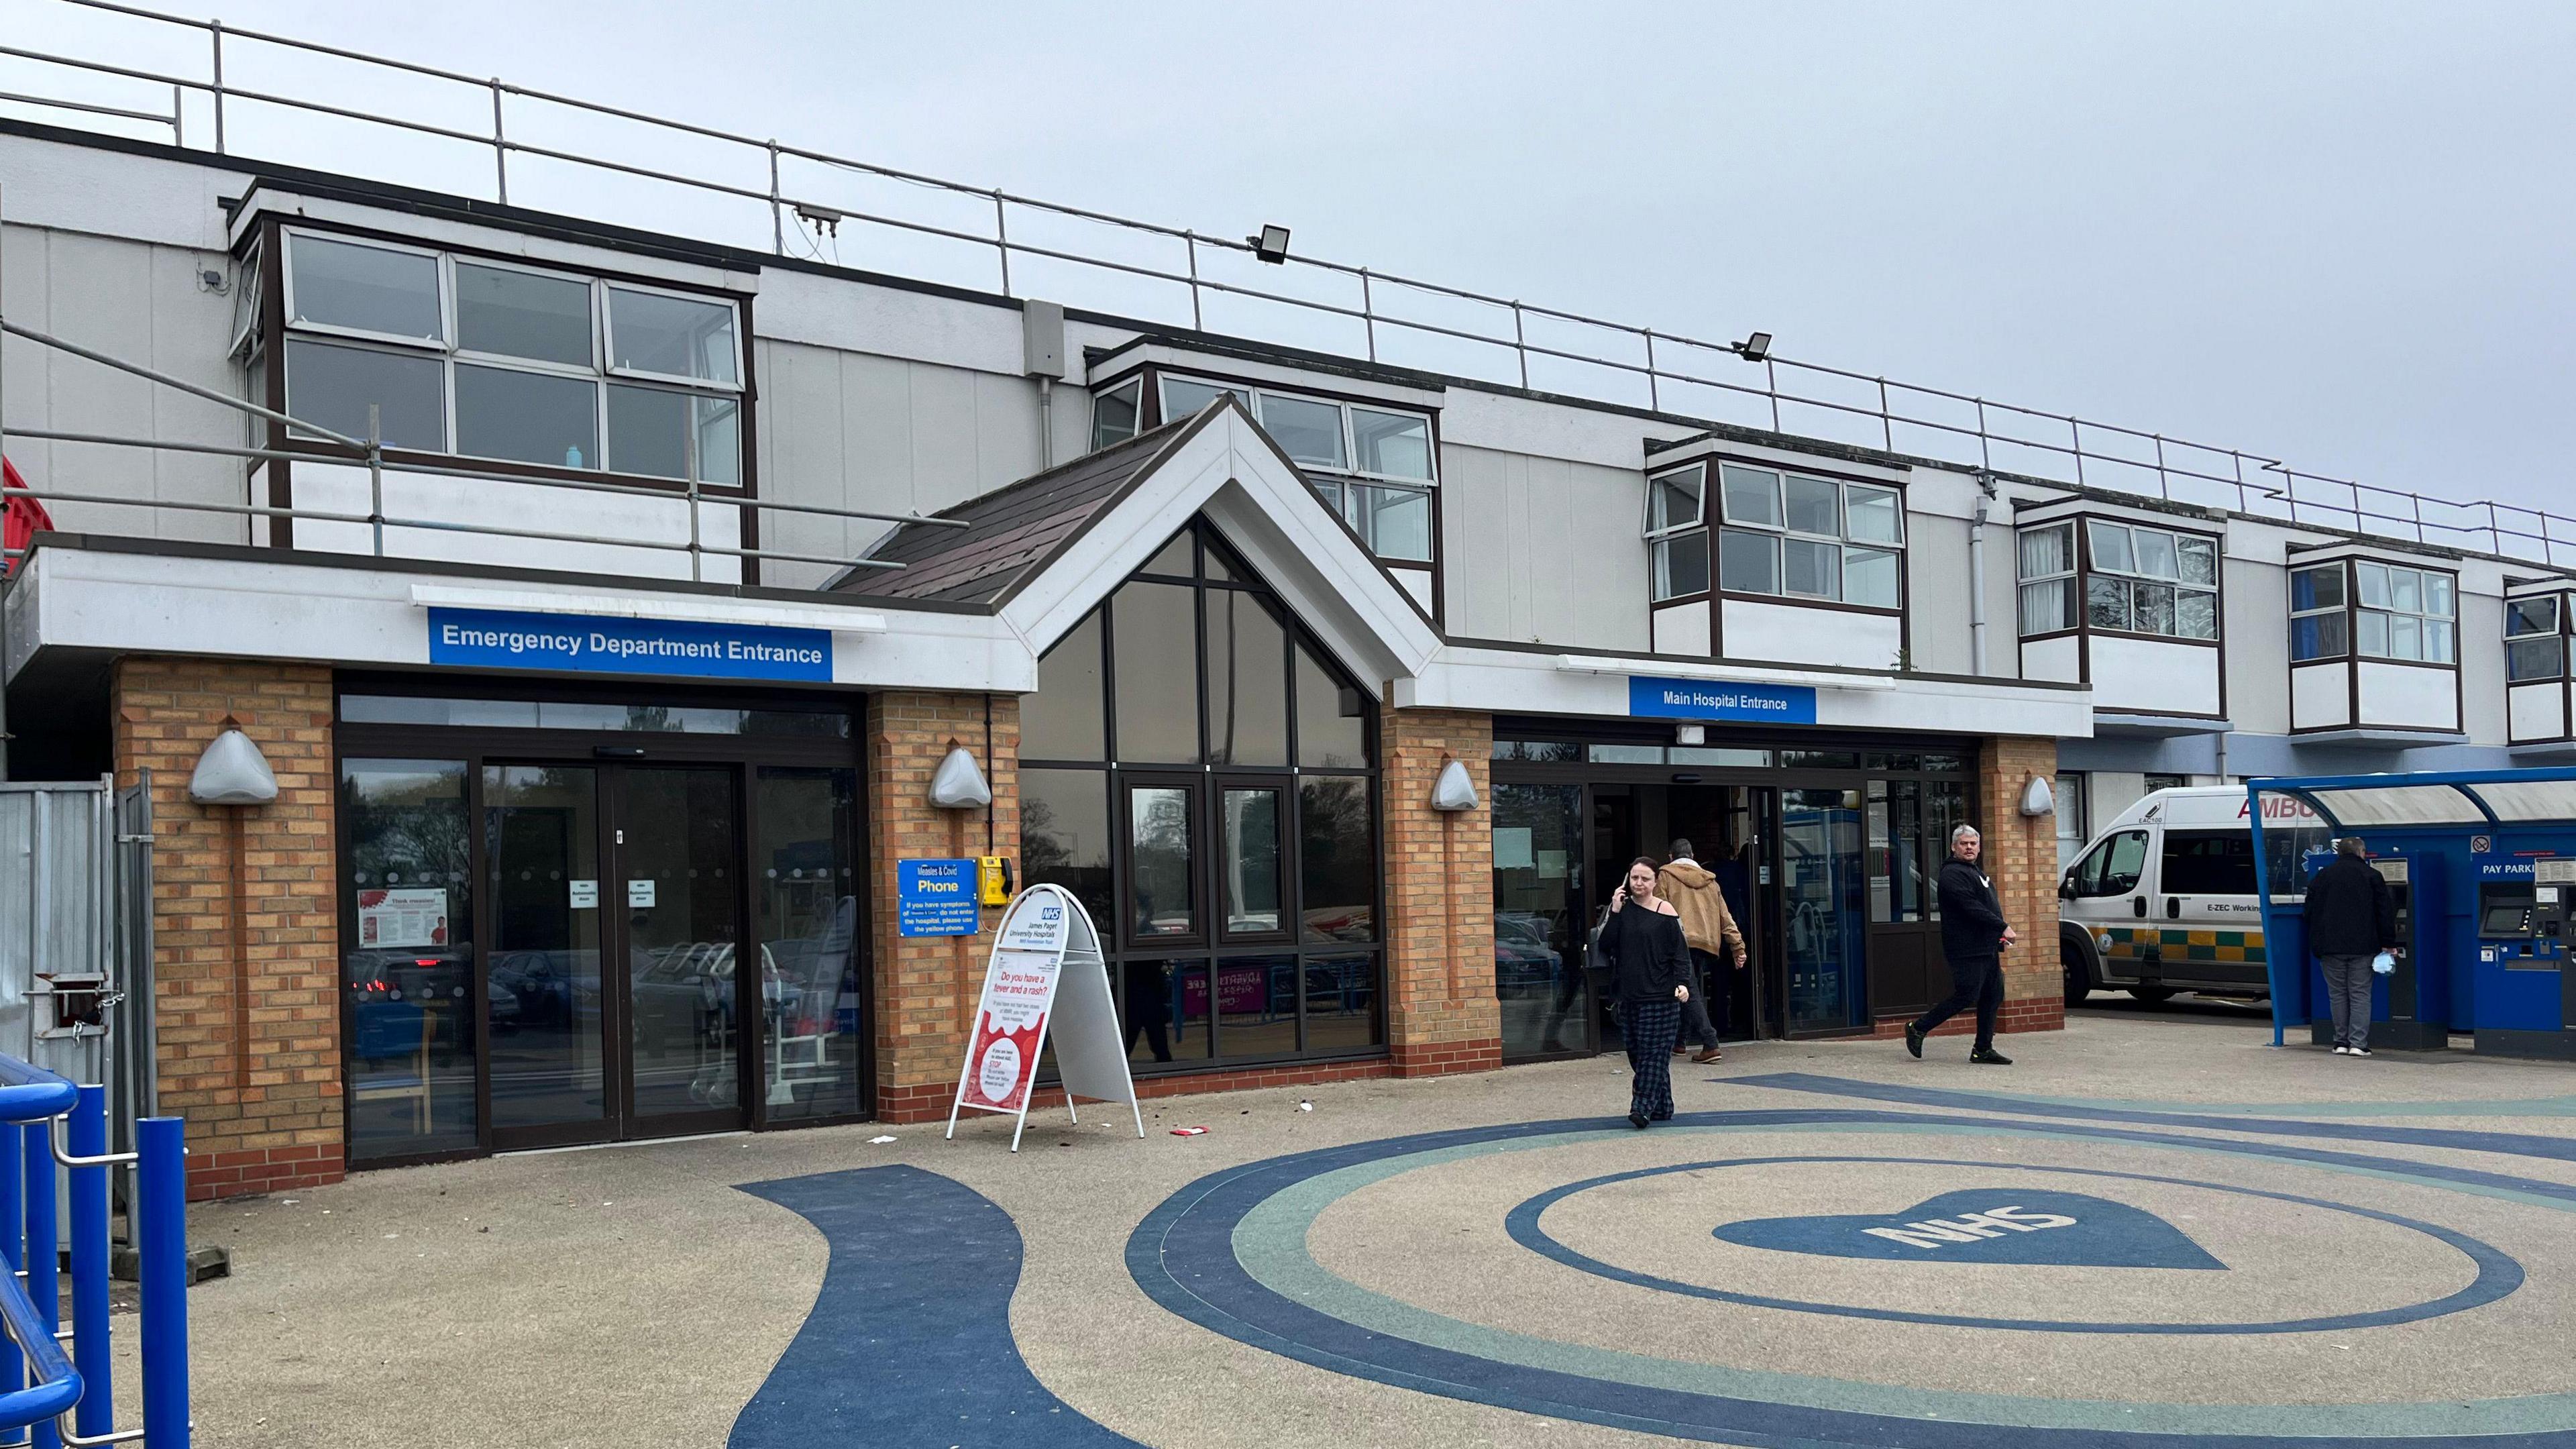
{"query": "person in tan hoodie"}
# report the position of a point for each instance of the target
(1709, 928)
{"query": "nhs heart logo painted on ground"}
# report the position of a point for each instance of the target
(1988, 1225)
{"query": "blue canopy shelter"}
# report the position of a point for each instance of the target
(2452, 843)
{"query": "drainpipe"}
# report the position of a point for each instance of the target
(1977, 572)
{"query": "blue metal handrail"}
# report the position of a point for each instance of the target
(39, 1385)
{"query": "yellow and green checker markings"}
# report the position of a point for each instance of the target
(2136, 943)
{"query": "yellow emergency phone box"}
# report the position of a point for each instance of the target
(993, 879)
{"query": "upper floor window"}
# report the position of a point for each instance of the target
(1803, 537)
(2046, 559)
(1676, 529)
(1374, 467)
(2151, 581)
(2404, 613)
(496, 360)
(2535, 647)
(2373, 610)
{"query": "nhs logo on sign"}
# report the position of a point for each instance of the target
(1650, 698)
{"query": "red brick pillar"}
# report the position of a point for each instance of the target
(245, 920)
(2021, 859)
(926, 986)
(1441, 1012)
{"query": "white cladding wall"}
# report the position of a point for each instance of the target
(2148, 676)
(2539, 711)
(850, 430)
(2481, 655)
(2412, 695)
(2321, 696)
(1936, 583)
(2059, 658)
(2254, 605)
(143, 302)
(1543, 550)
(1796, 634)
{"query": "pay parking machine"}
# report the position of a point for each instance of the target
(2525, 999)
(2409, 1007)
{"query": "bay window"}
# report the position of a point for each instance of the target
(2403, 613)
(487, 359)
(1804, 537)
(2046, 569)
(2151, 581)
(2319, 628)
(1676, 519)
(2535, 648)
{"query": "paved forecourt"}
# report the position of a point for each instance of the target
(2148, 1228)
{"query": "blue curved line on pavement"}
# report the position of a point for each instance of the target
(2517, 1144)
(909, 1341)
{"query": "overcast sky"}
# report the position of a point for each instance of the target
(2338, 233)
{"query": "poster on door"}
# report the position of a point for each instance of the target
(1045, 978)
(402, 919)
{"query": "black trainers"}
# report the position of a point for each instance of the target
(1989, 1057)
(1914, 1040)
(1637, 1120)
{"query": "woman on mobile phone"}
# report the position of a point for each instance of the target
(1641, 939)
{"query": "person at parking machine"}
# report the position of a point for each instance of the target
(1709, 929)
(1974, 934)
(2352, 918)
(1641, 938)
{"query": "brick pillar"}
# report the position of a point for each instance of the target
(926, 986)
(2021, 859)
(245, 920)
(1441, 1013)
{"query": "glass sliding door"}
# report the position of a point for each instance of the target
(681, 901)
(1823, 893)
(1539, 922)
(544, 1002)
(806, 909)
(407, 975)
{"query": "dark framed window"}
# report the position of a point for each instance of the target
(2126, 578)
(2535, 643)
(482, 358)
(2374, 610)
(1202, 774)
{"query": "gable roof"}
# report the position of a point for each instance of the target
(1043, 552)
(1008, 530)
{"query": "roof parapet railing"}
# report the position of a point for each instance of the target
(1647, 375)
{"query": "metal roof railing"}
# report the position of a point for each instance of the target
(1361, 311)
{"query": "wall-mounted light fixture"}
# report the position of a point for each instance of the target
(1454, 790)
(2037, 798)
(1270, 244)
(1754, 348)
(232, 771)
(959, 783)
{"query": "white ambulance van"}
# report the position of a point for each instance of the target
(2164, 899)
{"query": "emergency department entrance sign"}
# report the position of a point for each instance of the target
(1046, 974)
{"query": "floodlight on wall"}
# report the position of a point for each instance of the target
(1270, 244)
(1454, 790)
(2037, 798)
(232, 771)
(1755, 348)
(959, 783)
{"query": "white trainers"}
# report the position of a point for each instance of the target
(2361, 1051)
(2341, 1050)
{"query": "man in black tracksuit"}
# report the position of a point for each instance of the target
(2351, 916)
(1973, 936)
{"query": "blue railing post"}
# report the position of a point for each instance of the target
(89, 1196)
(161, 1232)
(13, 1245)
(44, 1261)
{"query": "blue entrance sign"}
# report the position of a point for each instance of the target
(1650, 698)
(936, 898)
(599, 644)
(1989, 1225)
